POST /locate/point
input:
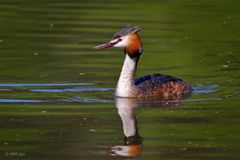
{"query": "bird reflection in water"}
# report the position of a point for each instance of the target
(132, 140)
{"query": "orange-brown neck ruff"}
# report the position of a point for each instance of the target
(134, 47)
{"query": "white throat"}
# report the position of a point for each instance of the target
(126, 80)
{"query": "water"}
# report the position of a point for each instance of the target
(56, 93)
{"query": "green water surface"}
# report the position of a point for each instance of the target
(56, 92)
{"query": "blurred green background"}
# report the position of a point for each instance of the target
(50, 42)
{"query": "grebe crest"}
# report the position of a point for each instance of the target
(156, 85)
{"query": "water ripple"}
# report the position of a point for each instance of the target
(198, 89)
(4, 90)
(195, 100)
(87, 100)
(201, 89)
(21, 101)
(68, 100)
(43, 84)
(73, 90)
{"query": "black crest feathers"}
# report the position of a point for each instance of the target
(126, 30)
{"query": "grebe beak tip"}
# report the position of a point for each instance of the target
(103, 46)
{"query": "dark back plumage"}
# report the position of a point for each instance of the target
(161, 78)
(126, 30)
(165, 86)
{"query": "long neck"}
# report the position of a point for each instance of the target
(125, 85)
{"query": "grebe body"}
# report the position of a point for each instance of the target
(155, 85)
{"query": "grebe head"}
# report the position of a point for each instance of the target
(126, 39)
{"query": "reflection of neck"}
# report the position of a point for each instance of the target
(132, 141)
(129, 121)
(126, 112)
(125, 83)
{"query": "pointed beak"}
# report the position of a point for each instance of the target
(107, 45)
(103, 46)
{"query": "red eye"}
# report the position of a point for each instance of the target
(117, 40)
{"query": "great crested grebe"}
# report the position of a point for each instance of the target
(155, 85)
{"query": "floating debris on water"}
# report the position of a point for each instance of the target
(92, 130)
(225, 66)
